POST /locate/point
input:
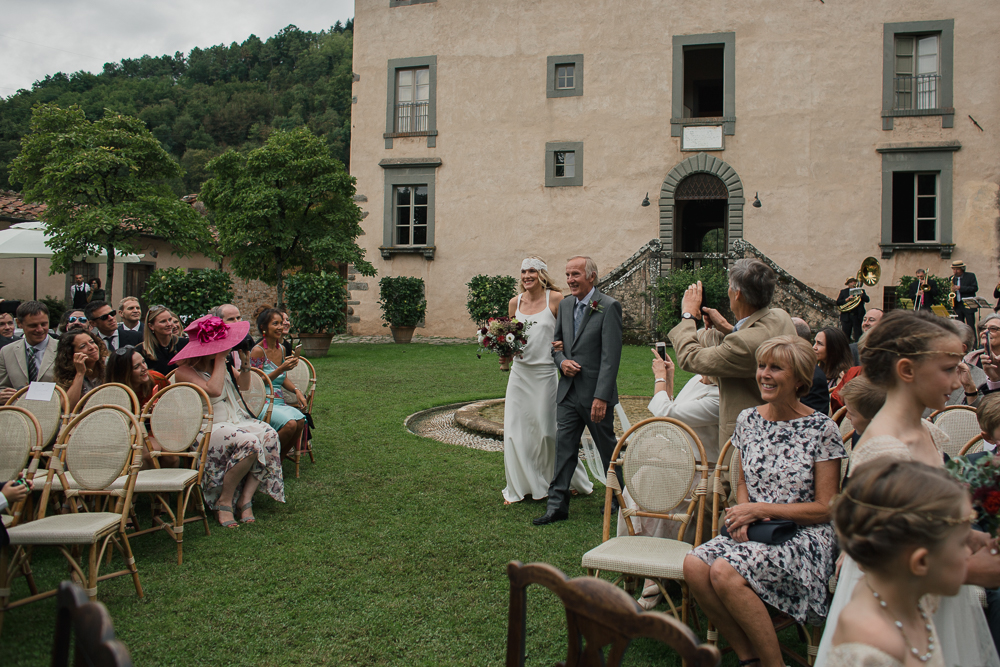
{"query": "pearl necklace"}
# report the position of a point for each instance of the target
(899, 624)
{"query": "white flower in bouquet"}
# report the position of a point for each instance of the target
(510, 338)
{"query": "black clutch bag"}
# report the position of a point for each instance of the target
(775, 531)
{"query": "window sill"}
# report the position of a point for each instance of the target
(396, 135)
(947, 115)
(426, 250)
(944, 248)
(728, 124)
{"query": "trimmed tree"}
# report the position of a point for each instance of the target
(103, 183)
(286, 205)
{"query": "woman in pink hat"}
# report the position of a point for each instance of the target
(243, 453)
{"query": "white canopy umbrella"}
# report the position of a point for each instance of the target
(29, 240)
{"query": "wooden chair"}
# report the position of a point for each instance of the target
(658, 459)
(303, 376)
(598, 614)
(89, 624)
(179, 416)
(973, 446)
(110, 393)
(259, 395)
(842, 421)
(22, 437)
(729, 462)
(52, 415)
(960, 423)
(96, 445)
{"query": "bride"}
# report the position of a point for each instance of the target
(529, 422)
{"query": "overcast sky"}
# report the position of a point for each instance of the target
(39, 37)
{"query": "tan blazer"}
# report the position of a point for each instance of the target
(730, 359)
(14, 365)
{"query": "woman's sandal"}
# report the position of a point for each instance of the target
(243, 508)
(651, 597)
(225, 524)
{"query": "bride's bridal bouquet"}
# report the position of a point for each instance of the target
(504, 336)
(983, 479)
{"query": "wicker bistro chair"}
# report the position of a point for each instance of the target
(842, 421)
(260, 394)
(22, 437)
(598, 614)
(110, 393)
(960, 423)
(303, 376)
(96, 446)
(180, 418)
(973, 446)
(52, 415)
(658, 461)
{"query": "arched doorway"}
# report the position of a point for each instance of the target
(701, 212)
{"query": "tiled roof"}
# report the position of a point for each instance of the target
(12, 207)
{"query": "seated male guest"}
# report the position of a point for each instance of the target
(725, 351)
(6, 328)
(102, 317)
(31, 358)
(130, 313)
(790, 467)
(870, 319)
(818, 397)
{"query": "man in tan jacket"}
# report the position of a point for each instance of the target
(729, 352)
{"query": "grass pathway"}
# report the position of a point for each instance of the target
(391, 549)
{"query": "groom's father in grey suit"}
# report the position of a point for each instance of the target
(590, 328)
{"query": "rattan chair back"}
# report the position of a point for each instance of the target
(99, 445)
(178, 414)
(260, 394)
(52, 414)
(973, 446)
(727, 470)
(660, 465)
(960, 424)
(22, 434)
(110, 393)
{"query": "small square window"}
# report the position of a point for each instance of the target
(565, 166)
(564, 77)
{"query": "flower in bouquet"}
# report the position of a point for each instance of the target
(503, 336)
(982, 476)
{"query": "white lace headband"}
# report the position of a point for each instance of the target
(532, 263)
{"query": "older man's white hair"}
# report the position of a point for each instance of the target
(589, 267)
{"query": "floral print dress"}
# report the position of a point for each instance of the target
(778, 461)
(236, 435)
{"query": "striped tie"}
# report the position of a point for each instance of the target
(32, 366)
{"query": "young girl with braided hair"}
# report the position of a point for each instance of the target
(907, 524)
(914, 356)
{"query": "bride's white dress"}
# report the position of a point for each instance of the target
(529, 421)
(961, 624)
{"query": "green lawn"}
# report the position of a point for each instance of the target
(390, 550)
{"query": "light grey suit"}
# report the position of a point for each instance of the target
(597, 347)
(14, 364)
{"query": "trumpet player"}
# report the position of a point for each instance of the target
(964, 286)
(850, 320)
(923, 291)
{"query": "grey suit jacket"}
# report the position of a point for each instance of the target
(597, 347)
(14, 365)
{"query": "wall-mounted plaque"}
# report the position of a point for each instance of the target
(702, 138)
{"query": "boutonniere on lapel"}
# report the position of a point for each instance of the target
(596, 307)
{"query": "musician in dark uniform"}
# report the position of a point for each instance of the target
(850, 321)
(923, 291)
(965, 287)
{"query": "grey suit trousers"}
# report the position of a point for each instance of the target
(572, 415)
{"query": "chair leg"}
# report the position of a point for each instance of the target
(130, 563)
(179, 525)
(92, 573)
(813, 648)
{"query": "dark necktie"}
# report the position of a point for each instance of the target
(111, 346)
(578, 317)
(32, 366)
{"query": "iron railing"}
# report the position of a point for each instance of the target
(412, 117)
(912, 93)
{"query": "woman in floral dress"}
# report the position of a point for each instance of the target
(790, 465)
(243, 453)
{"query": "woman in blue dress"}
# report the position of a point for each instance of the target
(269, 356)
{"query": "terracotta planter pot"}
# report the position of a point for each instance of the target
(315, 345)
(402, 334)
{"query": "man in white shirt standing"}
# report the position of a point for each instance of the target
(32, 358)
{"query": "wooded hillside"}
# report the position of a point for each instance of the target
(200, 104)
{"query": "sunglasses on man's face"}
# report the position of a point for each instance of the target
(81, 319)
(106, 316)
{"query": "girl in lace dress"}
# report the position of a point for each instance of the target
(907, 525)
(914, 357)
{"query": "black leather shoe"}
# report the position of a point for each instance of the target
(614, 506)
(550, 516)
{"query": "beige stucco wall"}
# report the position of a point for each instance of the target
(808, 102)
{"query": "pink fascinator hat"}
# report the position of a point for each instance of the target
(209, 335)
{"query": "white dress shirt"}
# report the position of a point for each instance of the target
(697, 405)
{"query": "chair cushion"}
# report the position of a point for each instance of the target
(7, 519)
(653, 557)
(158, 480)
(81, 528)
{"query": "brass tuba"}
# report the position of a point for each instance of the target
(869, 274)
